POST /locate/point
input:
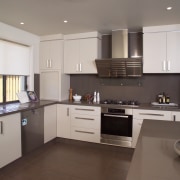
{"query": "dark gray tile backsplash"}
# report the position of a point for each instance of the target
(144, 89)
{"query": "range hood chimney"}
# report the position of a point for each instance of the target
(126, 60)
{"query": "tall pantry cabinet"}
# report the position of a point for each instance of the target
(54, 84)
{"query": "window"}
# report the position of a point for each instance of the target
(10, 85)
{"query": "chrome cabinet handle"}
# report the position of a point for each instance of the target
(50, 63)
(84, 118)
(151, 114)
(164, 65)
(174, 117)
(80, 67)
(84, 132)
(84, 109)
(47, 63)
(168, 65)
(1, 128)
(121, 116)
(67, 111)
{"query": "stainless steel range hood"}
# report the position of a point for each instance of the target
(126, 58)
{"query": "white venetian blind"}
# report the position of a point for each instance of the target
(14, 58)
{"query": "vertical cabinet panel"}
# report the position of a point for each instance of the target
(63, 121)
(50, 122)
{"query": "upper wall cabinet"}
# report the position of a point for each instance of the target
(161, 50)
(14, 58)
(51, 54)
(80, 52)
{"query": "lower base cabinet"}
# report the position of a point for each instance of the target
(50, 124)
(63, 121)
(85, 123)
(10, 138)
(140, 114)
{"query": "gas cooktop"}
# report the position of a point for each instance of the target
(131, 103)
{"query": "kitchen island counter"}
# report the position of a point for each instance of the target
(154, 157)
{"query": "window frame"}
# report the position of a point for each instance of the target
(4, 86)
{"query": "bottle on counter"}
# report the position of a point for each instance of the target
(94, 99)
(70, 94)
(167, 99)
(164, 98)
(98, 96)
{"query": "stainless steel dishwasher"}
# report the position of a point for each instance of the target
(32, 130)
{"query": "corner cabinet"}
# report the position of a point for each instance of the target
(176, 116)
(63, 121)
(51, 54)
(10, 138)
(140, 114)
(50, 122)
(161, 51)
(80, 54)
(85, 123)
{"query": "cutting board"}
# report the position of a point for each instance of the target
(157, 104)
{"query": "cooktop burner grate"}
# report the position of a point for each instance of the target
(121, 102)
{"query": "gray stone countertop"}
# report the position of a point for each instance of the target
(18, 107)
(147, 106)
(154, 157)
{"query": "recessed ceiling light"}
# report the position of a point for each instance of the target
(21, 23)
(65, 21)
(169, 8)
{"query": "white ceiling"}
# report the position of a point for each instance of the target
(44, 17)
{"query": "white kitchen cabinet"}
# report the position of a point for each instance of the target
(50, 122)
(63, 121)
(51, 54)
(80, 55)
(54, 85)
(10, 138)
(175, 115)
(85, 123)
(161, 52)
(140, 114)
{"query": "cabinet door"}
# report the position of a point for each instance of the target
(51, 54)
(49, 85)
(10, 138)
(71, 56)
(63, 121)
(154, 52)
(50, 120)
(88, 54)
(173, 52)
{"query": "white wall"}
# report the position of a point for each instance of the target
(17, 35)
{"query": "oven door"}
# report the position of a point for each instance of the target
(116, 129)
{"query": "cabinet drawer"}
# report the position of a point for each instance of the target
(86, 110)
(152, 114)
(84, 134)
(85, 121)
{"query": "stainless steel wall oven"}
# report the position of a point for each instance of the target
(116, 126)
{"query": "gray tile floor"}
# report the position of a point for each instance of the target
(71, 160)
